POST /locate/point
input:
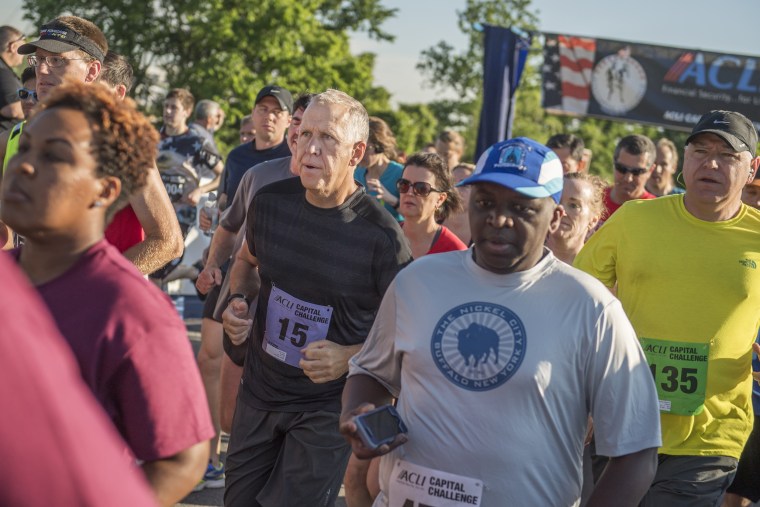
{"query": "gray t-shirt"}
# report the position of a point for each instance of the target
(496, 376)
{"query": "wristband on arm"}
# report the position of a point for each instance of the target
(240, 296)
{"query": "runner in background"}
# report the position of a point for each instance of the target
(73, 48)
(685, 271)
(378, 171)
(190, 168)
(459, 221)
(583, 203)
(427, 197)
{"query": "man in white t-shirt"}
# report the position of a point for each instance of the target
(498, 355)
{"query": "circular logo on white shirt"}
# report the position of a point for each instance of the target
(478, 345)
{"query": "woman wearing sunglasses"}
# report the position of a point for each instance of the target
(426, 197)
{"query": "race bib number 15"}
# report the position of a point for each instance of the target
(292, 324)
(680, 374)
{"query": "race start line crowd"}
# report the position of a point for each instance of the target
(546, 338)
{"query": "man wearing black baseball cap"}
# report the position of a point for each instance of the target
(685, 267)
(69, 47)
(271, 118)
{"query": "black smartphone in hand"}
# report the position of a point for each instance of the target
(379, 426)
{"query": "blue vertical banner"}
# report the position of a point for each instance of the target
(503, 63)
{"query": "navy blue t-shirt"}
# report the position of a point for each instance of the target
(243, 158)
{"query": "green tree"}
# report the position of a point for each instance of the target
(462, 71)
(226, 50)
(413, 125)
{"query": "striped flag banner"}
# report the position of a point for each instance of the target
(576, 59)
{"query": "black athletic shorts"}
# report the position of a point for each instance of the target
(288, 459)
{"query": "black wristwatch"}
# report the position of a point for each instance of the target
(238, 295)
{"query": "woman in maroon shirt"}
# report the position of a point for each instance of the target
(81, 152)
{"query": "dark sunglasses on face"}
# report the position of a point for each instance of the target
(633, 171)
(25, 93)
(420, 188)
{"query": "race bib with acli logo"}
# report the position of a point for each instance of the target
(292, 324)
(680, 374)
(413, 485)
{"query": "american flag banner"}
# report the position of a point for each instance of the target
(644, 83)
(568, 63)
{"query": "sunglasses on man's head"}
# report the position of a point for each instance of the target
(420, 188)
(25, 93)
(633, 171)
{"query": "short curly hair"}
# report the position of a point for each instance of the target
(124, 143)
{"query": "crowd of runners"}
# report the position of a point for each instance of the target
(546, 338)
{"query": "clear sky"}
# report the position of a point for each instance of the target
(731, 26)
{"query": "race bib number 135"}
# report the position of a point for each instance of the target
(680, 374)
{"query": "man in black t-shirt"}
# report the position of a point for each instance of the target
(325, 253)
(210, 280)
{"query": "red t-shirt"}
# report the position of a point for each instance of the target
(125, 230)
(612, 206)
(447, 242)
(57, 444)
(133, 352)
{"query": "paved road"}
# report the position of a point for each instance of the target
(192, 314)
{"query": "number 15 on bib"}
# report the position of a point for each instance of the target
(292, 324)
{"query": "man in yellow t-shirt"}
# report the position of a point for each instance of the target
(686, 270)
